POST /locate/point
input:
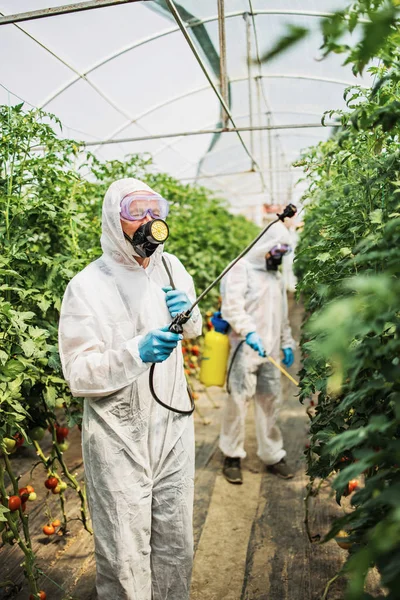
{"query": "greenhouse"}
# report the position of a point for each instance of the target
(199, 357)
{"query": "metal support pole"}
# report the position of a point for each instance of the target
(182, 27)
(271, 174)
(61, 10)
(260, 116)
(249, 63)
(223, 75)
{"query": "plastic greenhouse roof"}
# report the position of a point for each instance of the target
(127, 71)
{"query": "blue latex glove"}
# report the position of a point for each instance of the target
(177, 301)
(255, 342)
(288, 357)
(220, 325)
(158, 344)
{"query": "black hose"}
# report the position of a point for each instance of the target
(171, 408)
(151, 374)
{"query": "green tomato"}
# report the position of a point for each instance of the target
(63, 486)
(10, 445)
(37, 433)
(32, 496)
(63, 446)
(7, 537)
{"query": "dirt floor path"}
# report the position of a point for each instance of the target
(250, 540)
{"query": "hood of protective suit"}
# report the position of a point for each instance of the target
(277, 234)
(112, 240)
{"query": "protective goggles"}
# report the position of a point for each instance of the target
(279, 250)
(136, 207)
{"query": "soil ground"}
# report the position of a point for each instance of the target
(250, 540)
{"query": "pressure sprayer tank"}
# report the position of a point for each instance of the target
(214, 361)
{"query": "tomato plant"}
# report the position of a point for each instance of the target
(348, 268)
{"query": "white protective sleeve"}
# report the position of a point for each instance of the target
(89, 368)
(233, 291)
(287, 340)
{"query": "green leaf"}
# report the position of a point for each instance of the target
(12, 368)
(29, 347)
(376, 216)
(323, 257)
(3, 511)
(50, 395)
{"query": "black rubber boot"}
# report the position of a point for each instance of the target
(281, 469)
(232, 471)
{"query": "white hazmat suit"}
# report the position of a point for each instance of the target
(138, 456)
(254, 300)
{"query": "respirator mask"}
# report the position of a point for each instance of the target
(273, 258)
(150, 235)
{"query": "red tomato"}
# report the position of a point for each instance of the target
(48, 530)
(51, 483)
(195, 350)
(353, 485)
(19, 439)
(14, 503)
(61, 434)
(56, 523)
(23, 494)
(41, 594)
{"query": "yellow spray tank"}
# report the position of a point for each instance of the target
(214, 362)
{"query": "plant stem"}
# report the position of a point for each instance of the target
(75, 484)
(24, 518)
(328, 585)
(30, 558)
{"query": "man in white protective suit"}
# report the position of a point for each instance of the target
(138, 455)
(254, 303)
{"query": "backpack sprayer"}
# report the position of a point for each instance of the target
(217, 343)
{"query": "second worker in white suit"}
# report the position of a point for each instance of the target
(255, 305)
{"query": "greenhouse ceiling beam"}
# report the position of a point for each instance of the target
(62, 10)
(172, 30)
(245, 116)
(207, 131)
(203, 67)
(198, 90)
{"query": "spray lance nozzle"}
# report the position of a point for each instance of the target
(288, 212)
(178, 321)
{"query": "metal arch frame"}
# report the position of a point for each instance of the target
(205, 88)
(167, 32)
(278, 12)
(93, 4)
(61, 10)
(97, 90)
